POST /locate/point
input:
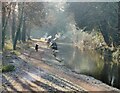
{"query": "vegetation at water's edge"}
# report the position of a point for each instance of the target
(95, 41)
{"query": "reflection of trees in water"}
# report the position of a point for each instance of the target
(90, 63)
(119, 76)
(111, 70)
(110, 74)
(107, 55)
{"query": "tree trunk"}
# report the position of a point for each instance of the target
(24, 29)
(13, 22)
(103, 29)
(17, 36)
(28, 33)
(5, 21)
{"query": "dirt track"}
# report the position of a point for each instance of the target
(40, 71)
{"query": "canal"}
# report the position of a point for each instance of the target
(90, 63)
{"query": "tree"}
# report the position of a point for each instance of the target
(6, 10)
(19, 18)
(13, 22)
(100, 15)
(18, 33)
(24, 28)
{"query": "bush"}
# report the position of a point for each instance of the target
(8, 68)
(116, 54)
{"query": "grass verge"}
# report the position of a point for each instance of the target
(8, 68)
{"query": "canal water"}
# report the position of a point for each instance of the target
(90, 63)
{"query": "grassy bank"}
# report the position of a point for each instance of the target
(9, 53)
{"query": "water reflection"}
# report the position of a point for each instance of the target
(110, 74)
(91, 63)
